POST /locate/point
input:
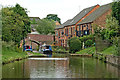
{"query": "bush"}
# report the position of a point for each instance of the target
(10, 46)
(58, 48)
(75, 45)
(88, 37)
(88, 43)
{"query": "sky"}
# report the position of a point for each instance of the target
(65, 9)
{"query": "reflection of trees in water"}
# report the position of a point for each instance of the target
(90, 68)
(18, 69)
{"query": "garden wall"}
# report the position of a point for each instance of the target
(115, 60)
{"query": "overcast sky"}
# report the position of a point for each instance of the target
(65, 9)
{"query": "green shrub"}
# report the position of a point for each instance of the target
(88, 43)
(88, 37)
(8, 45)
(75, 45)
(58, 48)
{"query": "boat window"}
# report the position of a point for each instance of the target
(47, 47)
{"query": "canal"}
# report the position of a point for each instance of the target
(69, 67)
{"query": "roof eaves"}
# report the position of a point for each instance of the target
(86, 11)
(98, 12)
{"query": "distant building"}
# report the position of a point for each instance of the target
(34, 21)
(57, 23)
(34, 39)
(81, 24)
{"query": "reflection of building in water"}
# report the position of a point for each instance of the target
(62, 68)
(48, 68)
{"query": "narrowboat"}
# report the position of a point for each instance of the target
(47, 49)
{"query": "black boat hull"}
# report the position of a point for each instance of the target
(47, 52)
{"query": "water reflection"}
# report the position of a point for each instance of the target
(74, 67)
(48, 69)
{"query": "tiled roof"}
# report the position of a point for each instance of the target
(81, 15)
(97, 13)
(64, 24)
(36, 18)
(76, 18)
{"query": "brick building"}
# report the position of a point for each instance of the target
(35, 37)
(81, 24)
(47, 39)
(34, 21)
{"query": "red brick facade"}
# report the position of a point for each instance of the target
(101, 21)
(81, 29)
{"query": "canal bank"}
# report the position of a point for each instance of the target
(11, 56)
(111, 59)
(106, 55)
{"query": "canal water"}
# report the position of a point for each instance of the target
(71, 67)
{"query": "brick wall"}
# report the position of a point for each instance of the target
(101, 21)
(48, 39)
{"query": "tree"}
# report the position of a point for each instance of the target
(53, 17)
(116, 10)
(0, 24)
(14, 23)
(112, 26)
(23, 12)
(45, 26)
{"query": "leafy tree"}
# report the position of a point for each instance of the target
(112, 23)
(23, 12)
(45, 26)
(0, 24)
(112, 26)
(116, 14)
(53, 17)
(88, 43)
(15, 24)
(116, 10)
(33, 21)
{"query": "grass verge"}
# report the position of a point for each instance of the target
(8, 55)
(89, 50)
(109, 51)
